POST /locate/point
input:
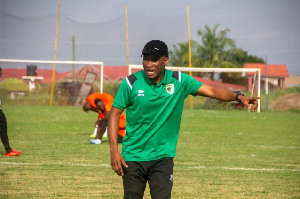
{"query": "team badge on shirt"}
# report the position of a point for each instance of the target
(170, 88)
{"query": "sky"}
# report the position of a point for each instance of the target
(268, 29)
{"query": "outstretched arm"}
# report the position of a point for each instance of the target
(227, 95)
(116, 159)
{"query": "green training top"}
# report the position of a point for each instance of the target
(153, 113)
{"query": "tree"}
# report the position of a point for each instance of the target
(241, 57)
(216, 49)
(180, 54)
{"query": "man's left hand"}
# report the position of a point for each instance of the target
(247, 101)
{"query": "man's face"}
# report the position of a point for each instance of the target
(100, 107)
(155, 67)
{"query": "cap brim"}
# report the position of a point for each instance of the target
(151, 53)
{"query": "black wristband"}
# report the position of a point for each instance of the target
(237, 97)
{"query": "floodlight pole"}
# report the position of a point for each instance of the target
(190, 52)
(127, 45)
(53, 72)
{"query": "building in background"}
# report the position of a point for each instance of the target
(276, 75)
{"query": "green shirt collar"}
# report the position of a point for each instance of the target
(164, 81)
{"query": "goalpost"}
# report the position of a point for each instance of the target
(16, 63)
(235, 70)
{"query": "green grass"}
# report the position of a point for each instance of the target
(220, 154)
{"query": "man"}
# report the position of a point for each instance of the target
(3, 131)
(101, 103)
(153, 99)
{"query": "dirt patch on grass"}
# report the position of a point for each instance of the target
(287, 102)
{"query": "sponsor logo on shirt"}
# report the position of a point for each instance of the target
(140, 93)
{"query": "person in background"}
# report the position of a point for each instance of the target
(3, 131)
(153, 99)
(101, 103)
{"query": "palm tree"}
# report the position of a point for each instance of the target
(216, 49)
(179, 56)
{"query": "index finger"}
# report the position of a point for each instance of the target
(252, 98)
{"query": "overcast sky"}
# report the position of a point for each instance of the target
(269, 29)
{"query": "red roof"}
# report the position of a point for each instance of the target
(115, 72)
(274, 70)
(233, 87)
(81, 72)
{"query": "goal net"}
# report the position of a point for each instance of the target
(200, 74)
(49, 82)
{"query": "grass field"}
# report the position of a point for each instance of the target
(220, 154)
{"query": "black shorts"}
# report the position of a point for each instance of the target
(158, 173)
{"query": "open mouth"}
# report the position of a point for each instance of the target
(150, 72)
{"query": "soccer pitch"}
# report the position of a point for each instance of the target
(220, 154)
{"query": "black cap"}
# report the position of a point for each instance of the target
(156, 49)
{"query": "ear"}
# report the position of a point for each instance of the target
(166, 61)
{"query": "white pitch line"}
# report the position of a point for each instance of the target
(257, 169)
(268, 146)
(64, 164)
(237, 168)
(176, 167)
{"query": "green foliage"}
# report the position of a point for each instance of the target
(180, 54)
(216, 47)
(215, 51)
(279, 92)
(13, 84)
(39, 96)
(220, 154)
(240, 56)
(112, 88)
(233, 78)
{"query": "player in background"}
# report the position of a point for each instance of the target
(153, 99)
(3, 131)
(101, 103)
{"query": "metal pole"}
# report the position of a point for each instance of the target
(258, 89)
(267, 85)
(101, 76)
(73, 66)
